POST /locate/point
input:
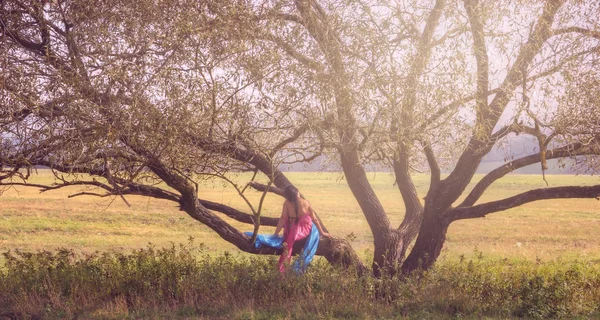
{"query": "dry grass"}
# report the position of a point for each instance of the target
(545, 230)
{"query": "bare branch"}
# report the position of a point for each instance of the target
(479, 143)
(238, 215)
(290, 51)
(574, 149)
(433, 164)
(480, 50)
(84, 193)
(261, 187)
(587, 32)
(297, 133)
(482, 210)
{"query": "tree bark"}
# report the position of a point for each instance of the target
(339, 252)
(389, 251)
(428, 246)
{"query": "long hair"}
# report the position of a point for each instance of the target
(291, 194)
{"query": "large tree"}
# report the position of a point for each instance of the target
(143, 92)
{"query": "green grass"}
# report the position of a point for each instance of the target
(543, 230)
(184, 282)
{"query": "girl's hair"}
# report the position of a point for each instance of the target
(291, 194)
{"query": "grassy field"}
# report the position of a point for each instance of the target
(165, 280)
(544, 230)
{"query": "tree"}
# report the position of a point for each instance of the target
(150, 91)
(126, 95)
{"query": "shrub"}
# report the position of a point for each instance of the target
(183, 281)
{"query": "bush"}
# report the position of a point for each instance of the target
(183, 281)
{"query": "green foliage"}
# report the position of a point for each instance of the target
(183, 281)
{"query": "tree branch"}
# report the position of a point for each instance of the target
(238, 215)
(479, 143)
(44, 188)
(459, 102)
(591, 33)
(433, 164)
(482, 210)
(297, 133)
(481, 56)
(262, 187)
(528, 51)
(293, 53)
(401, 162)
(574, 149)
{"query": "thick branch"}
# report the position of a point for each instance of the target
(407, 189)
(590, 33)
(249, 156)
(419, 62)
(480, 144)
(189, 200)
(144, 190)
(433, 164)
(237, 215)
(457, 103)
(318, 26)
(29, 45)
(74, 54)
(574, 149)
(537, 38)
(404, 181)
(482, 210)
(481, 56)
(262, 187)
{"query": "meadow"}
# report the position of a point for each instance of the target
(97, 258)
(544, 230)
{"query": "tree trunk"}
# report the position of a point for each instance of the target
(428, 245)
(339, 252)
(389, 251)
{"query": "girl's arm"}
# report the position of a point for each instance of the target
(282, 219)
(318, 224)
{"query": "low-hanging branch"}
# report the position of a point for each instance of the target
(238, 215)
(573, 149)
(152, 191)
(484, 209)
(131, 188)
(44, 188)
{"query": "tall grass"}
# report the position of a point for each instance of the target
(185, 282)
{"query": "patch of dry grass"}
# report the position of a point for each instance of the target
(545, 230)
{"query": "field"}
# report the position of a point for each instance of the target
(545, 230)
(541, 260)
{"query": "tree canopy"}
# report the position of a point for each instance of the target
(156, 91)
